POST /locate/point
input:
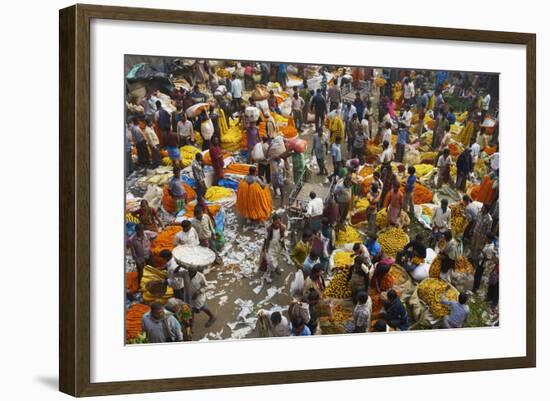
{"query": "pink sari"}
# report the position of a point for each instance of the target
(217, 162)
(391, 107)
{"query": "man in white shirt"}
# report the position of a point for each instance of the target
(441, 220)
(236, 93)
(153, 143)
(387, 154)
(174, 274)
(315, 205)
(365, 127)
(485, 104)
(408, 91)
(314, 211)
(187, 236)
(471, 211)
(197, 293)
(386, 133)
(475, 149)
(360, 250)
(444, 169)
(297, 106)
(149, 106)
(185, 130)
(277, 323)
(406, 117)
(495, 161)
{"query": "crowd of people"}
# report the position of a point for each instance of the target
(362, 133)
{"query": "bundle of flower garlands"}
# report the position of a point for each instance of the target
(398, 274)
(423, 169)
(164, 240)
(428, 157)
(152, 286)
(462, 265)
(430, 291)
(134, 315)
(379, 82)
(365, 171)
(188, 153)
(421, 194)
(231, 139)
(132, 285)
(190, 209)
(169, 204)
(382, 218)
(253, 201)
(238, 169)
(435, 267)
(362, 203)
(339, 286)
(374, 149)
(343, 259)
(286, 126)
(458, 220)
(348, 235)
(214, 193)
(392, 240)
(427, 211)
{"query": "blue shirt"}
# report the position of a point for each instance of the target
(403, 137)
(318, 147)
(308, 264)
(397, 311)
(336, 152)
(176, 187)
(459, 312)
(410, 183)
(319, 103)
(374, 248)
(305, 332)
(360, 107)
(440, 77)
(451, 118)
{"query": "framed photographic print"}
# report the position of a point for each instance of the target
(237, 190)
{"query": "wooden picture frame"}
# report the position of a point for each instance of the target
(74, 203)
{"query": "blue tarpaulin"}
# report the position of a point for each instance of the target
(219, 220)
(228, 184)
(189, 181)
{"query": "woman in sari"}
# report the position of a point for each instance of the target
(380, 281)
(148, 217)
(390, 106)
(216, 155)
